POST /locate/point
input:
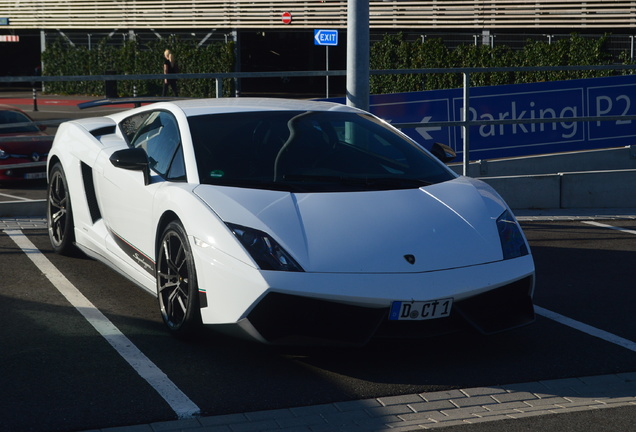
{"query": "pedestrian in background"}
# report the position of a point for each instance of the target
(170, 67)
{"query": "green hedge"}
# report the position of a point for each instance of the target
(394, 52)
(131, 59)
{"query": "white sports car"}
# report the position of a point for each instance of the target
(288, 222)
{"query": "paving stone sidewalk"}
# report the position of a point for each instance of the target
(422, 411)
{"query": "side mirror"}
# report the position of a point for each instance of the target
(134, 159)
(443, 152)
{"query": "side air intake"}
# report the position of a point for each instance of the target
(91, 197)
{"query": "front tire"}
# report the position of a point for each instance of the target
(59, 214)
(177, 287)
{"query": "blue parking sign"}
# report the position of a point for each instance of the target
(326, 37)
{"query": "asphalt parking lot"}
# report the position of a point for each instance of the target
(84, 349)
(59, 368)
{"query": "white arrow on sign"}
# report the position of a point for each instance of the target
(424, 130)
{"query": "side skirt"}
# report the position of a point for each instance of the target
(141, 281)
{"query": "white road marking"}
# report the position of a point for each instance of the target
(592, 331)
(178, 401)
(610, 227)
(15, 197)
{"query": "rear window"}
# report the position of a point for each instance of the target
(12, 122)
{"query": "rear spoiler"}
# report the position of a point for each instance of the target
(136, 101)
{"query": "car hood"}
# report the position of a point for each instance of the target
(442, 226)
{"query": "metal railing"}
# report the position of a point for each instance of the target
(465, 123)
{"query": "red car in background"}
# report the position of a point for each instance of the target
(24, 146)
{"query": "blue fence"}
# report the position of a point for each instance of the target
(520, 119)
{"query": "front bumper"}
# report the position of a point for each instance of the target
(23, 169)
(285, 307)
(291, 319)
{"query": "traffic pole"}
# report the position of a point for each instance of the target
(358, 54)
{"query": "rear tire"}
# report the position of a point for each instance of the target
(177, 288)
(59, 214)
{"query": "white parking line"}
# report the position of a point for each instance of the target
(592, 331)
(610, 227)
(15, 197)
(178, 401)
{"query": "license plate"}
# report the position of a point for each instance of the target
(32, 176)
(420, 310)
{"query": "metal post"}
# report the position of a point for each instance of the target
(35, 99)
(465, 127)
(237, 64)
(42, 49)
(219, 87)
(485, 37)
(327, 69)
(358, 54)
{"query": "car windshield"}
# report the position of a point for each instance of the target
(12, 122)
(309, 151)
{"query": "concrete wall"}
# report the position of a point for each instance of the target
(620, 158)
(591, 179)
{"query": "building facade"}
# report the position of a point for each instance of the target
(278, 34)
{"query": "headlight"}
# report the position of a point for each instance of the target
(3, 154)
(267, 253)
(513, 244)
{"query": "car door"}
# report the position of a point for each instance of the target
(128, 198)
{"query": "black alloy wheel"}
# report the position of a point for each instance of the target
(59, 216)
(177, 286)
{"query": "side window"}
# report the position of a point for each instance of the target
(177, 168)
(159, 137)
(130, 126)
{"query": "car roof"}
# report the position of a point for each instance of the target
(193, 107)
(196, 107)
(5, 107)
